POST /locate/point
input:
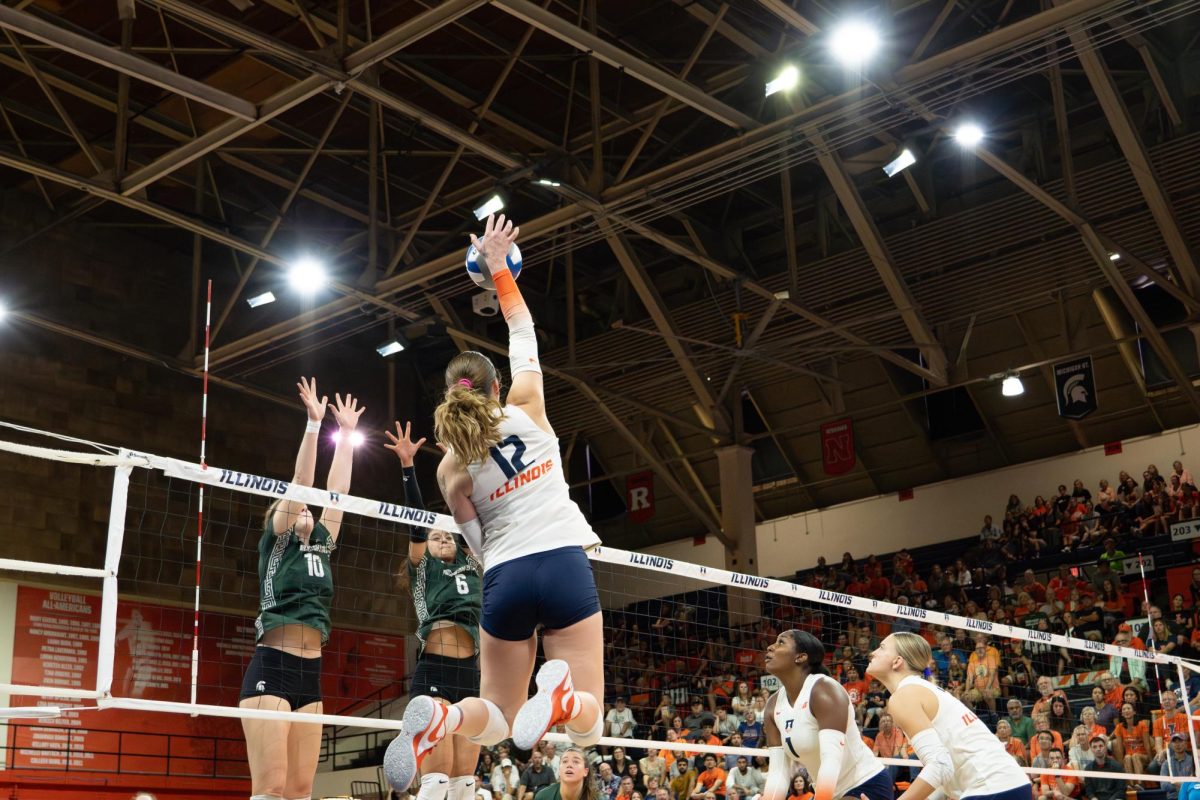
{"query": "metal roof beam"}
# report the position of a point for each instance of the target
(125, 63)
(648, 294)
(323, 78)
(1134, 151)
(628, 63)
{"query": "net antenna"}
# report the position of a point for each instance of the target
(200, 502)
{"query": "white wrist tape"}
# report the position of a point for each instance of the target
(313, 426)
(935, 758)
(522, 349)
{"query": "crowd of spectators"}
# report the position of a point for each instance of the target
(680, 673)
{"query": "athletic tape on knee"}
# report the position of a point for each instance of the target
(935, 758)
(496, 729)
(461, 788)
(306, 797)
(434, 786)
(588, 738)
(266, 797)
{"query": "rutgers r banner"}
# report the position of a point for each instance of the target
(639, 496)
(837, 446)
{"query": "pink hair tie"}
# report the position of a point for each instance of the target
(466, 382)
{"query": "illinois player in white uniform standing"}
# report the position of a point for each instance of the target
(959, 755)
(502, 476)
(809, 720)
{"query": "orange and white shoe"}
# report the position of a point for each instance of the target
(424, 725)
(554, 704)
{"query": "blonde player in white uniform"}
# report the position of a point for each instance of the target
(502, 476)
(809, 720)
(959, 755)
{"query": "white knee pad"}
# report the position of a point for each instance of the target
(266, 797)
(462, 788)
(587, 738)
(496, 729)
(306, 797)
(434, 786)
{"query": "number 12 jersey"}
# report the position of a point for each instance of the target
(521, 495)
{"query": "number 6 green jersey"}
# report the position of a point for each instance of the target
(447, 592)
(295, 581)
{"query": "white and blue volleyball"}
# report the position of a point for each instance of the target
(482, 279)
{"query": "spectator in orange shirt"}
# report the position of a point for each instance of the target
(1057, 787)
(1011, 743)
(1035, 589)
(710, 784)
(878, 587)
(889, 742)
(1171, 721)
(1041, 724)
(856, 688)
(1131, 740)
(983, 679)
(1041, 745)
(1087, 718)
(1060, 586)
(1046, 692)
(1113, 690)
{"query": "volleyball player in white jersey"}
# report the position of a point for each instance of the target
(960, 756)
(503, 480)
(809, 720)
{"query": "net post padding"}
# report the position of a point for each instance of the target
(107, 644)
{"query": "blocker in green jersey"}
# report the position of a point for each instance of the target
(447, 592)
(295, 580)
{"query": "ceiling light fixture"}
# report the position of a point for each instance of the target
(787, 79)
(968, 134)
(391, 347)
(261, 299)
(900, 163)
(854, 42)
(1012, 385)
(306, 275)
(490, 206)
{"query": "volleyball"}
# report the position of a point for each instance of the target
(482, 279)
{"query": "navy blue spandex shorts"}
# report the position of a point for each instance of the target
(554, 589)
(1019, 793)
(878, 788)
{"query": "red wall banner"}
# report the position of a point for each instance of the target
(639, 496)
(837, 446)
(55, 644)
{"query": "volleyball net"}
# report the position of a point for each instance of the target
(154, 626)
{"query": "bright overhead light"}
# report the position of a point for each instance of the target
(3, 310)
(901, 162)
(968, 134)
(1012, 386)
(787, 79)
(390, 348)
(854, 42)
(261, 299)
(306, 275)
(1114, 256)
(356, 438)
(547, 182)
(490, 206)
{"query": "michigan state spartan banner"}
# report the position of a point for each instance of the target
(1075, 386)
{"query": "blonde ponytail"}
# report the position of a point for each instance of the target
(468, 419)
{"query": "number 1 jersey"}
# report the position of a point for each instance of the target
(520, 493)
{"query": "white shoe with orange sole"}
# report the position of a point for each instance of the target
(553, 705)
(424, 726)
